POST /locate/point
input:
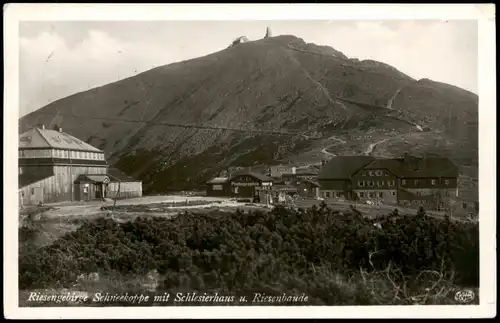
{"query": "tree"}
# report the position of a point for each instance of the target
(421, 212)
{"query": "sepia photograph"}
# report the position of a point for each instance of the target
(184, 158)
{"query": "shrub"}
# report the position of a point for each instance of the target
(281, 251)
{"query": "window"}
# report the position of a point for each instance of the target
(371, 183)
(32, 191)
(217, 187)
(378, 173)
(403, 181)
(327, 194)
(393, 193)
(419, 193)
(371, 194)
(447, 193)
(446, 182)
(416, 182)
(464, 205)
(391, 183)
(386, 173)
(433, 182)
(363, 173)
(380, 183)
(337, 194)
(380, 194)
(361, 194)
(371, 173)
(361, 183)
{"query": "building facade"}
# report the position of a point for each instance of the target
(240, 184)
(218, 186)
(407, 181)
(55, 166)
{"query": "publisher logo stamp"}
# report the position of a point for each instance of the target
(464, 296)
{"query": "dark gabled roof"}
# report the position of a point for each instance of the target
(30, 178)
(414, 167)
(342, 167)
(117, 175)
(306, 171)
(259, 176)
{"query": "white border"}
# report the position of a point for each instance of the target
(484, 13)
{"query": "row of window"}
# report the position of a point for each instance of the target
(360, 194)
(59, 153)
(374, 194)
(334, 194)
(374, 173)
(430, 181)
(390, 183)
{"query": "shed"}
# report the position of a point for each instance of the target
(123, 186)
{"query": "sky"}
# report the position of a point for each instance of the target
(58, 59)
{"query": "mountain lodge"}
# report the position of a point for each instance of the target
(55, 166)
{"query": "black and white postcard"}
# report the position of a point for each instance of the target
(249, 161)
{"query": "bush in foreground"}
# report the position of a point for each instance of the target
(334, 258)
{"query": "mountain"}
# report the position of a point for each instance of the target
(270, 101)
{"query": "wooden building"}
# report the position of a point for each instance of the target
(122, 186)
(408, 180)
(308, 188)
(241, 184)
(218, 186)
(55, 166)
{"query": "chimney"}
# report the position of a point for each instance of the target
(60, 129)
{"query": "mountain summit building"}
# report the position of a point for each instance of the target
(55, 166)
